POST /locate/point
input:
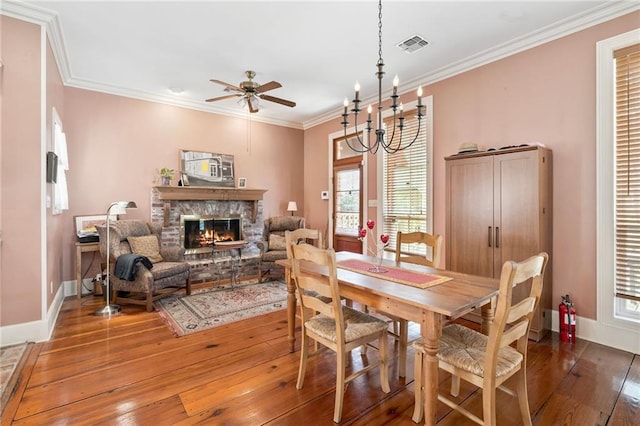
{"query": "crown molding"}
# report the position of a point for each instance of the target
(176, 100)
(37, 15)
(589, 18)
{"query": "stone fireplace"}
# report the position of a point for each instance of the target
(214, 207)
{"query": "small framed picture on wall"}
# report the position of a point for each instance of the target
(242, 182)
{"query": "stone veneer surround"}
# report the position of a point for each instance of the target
(201, 264)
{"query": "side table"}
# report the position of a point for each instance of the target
(82, 248)
(235, 251)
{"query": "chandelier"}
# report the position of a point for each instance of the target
(393, 143)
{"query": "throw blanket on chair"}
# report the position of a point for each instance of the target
(126, 265)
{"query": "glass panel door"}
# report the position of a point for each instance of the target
(347, 207)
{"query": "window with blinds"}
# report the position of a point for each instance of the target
(627, 173)
(405, 184)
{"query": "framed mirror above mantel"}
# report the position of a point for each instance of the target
(207, 193)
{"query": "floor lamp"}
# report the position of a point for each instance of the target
(118, 207)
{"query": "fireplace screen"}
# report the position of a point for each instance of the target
(199, 233)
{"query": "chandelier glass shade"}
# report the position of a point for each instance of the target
(390, 143)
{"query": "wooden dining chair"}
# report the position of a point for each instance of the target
(335, 326)
(401, 326)
(488, 361)
(434, 242)
(303, 235)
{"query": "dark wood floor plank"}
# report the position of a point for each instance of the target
(627, 409)
(597, 377)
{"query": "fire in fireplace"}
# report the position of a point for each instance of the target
(199, 233)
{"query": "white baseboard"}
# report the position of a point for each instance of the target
(34, 331)
(70, 288)
(594, 331)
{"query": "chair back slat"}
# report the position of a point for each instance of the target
(432, 241)
(521, 309)
(514, 333)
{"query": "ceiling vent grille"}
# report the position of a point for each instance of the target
(412, 44)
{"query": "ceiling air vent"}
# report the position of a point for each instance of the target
(412, 44)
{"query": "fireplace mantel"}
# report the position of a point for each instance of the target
(185, 193)
(206, 193)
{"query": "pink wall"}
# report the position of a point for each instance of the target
(116, 144)
(545, 94)
(21, 271)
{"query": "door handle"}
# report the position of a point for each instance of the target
(489, 237)
(497, 236)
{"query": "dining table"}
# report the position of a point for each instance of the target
(424, 295)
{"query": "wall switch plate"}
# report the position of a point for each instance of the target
(373, 203)
(324, 195)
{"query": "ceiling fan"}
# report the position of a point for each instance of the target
(250, 92)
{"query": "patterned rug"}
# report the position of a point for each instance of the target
(206, 308)
(10, 357)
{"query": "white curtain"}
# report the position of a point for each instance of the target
(60, 195)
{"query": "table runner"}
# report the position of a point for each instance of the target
(398, 275)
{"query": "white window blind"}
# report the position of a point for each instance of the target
(405, 184)
(627, 173)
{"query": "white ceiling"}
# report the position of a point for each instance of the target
(315, 49)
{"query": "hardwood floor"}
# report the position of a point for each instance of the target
(130, 369)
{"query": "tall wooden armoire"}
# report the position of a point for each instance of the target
(499, 208)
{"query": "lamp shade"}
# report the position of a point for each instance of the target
(292, 207)
(119, 207)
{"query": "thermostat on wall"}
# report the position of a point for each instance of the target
(324, 195)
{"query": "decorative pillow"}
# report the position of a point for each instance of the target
(146, 245)
(277, 242)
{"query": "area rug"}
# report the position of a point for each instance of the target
(206, 308)
(10, 357)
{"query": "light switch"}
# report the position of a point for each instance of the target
(324, 195)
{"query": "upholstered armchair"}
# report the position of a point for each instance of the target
(273, 247)
(169, 273)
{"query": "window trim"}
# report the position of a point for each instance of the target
(428, 117)
(605, 214)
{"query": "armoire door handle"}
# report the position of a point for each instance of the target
(489, 237)
(497, 236)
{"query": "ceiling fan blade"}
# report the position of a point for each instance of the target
(229, 86)
(223, 97)
(278, 100)
(251, 108)
(269, 86)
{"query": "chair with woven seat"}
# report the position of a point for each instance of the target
(488, 361)
(333, 325)
(168, 274)
(400, 325)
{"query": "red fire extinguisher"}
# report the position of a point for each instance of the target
(567, 320)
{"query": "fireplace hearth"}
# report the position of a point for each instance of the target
(199, 233)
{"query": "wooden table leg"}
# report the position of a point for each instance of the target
(431, 330)
(291, 309)
(78, 271)
(488, 314)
